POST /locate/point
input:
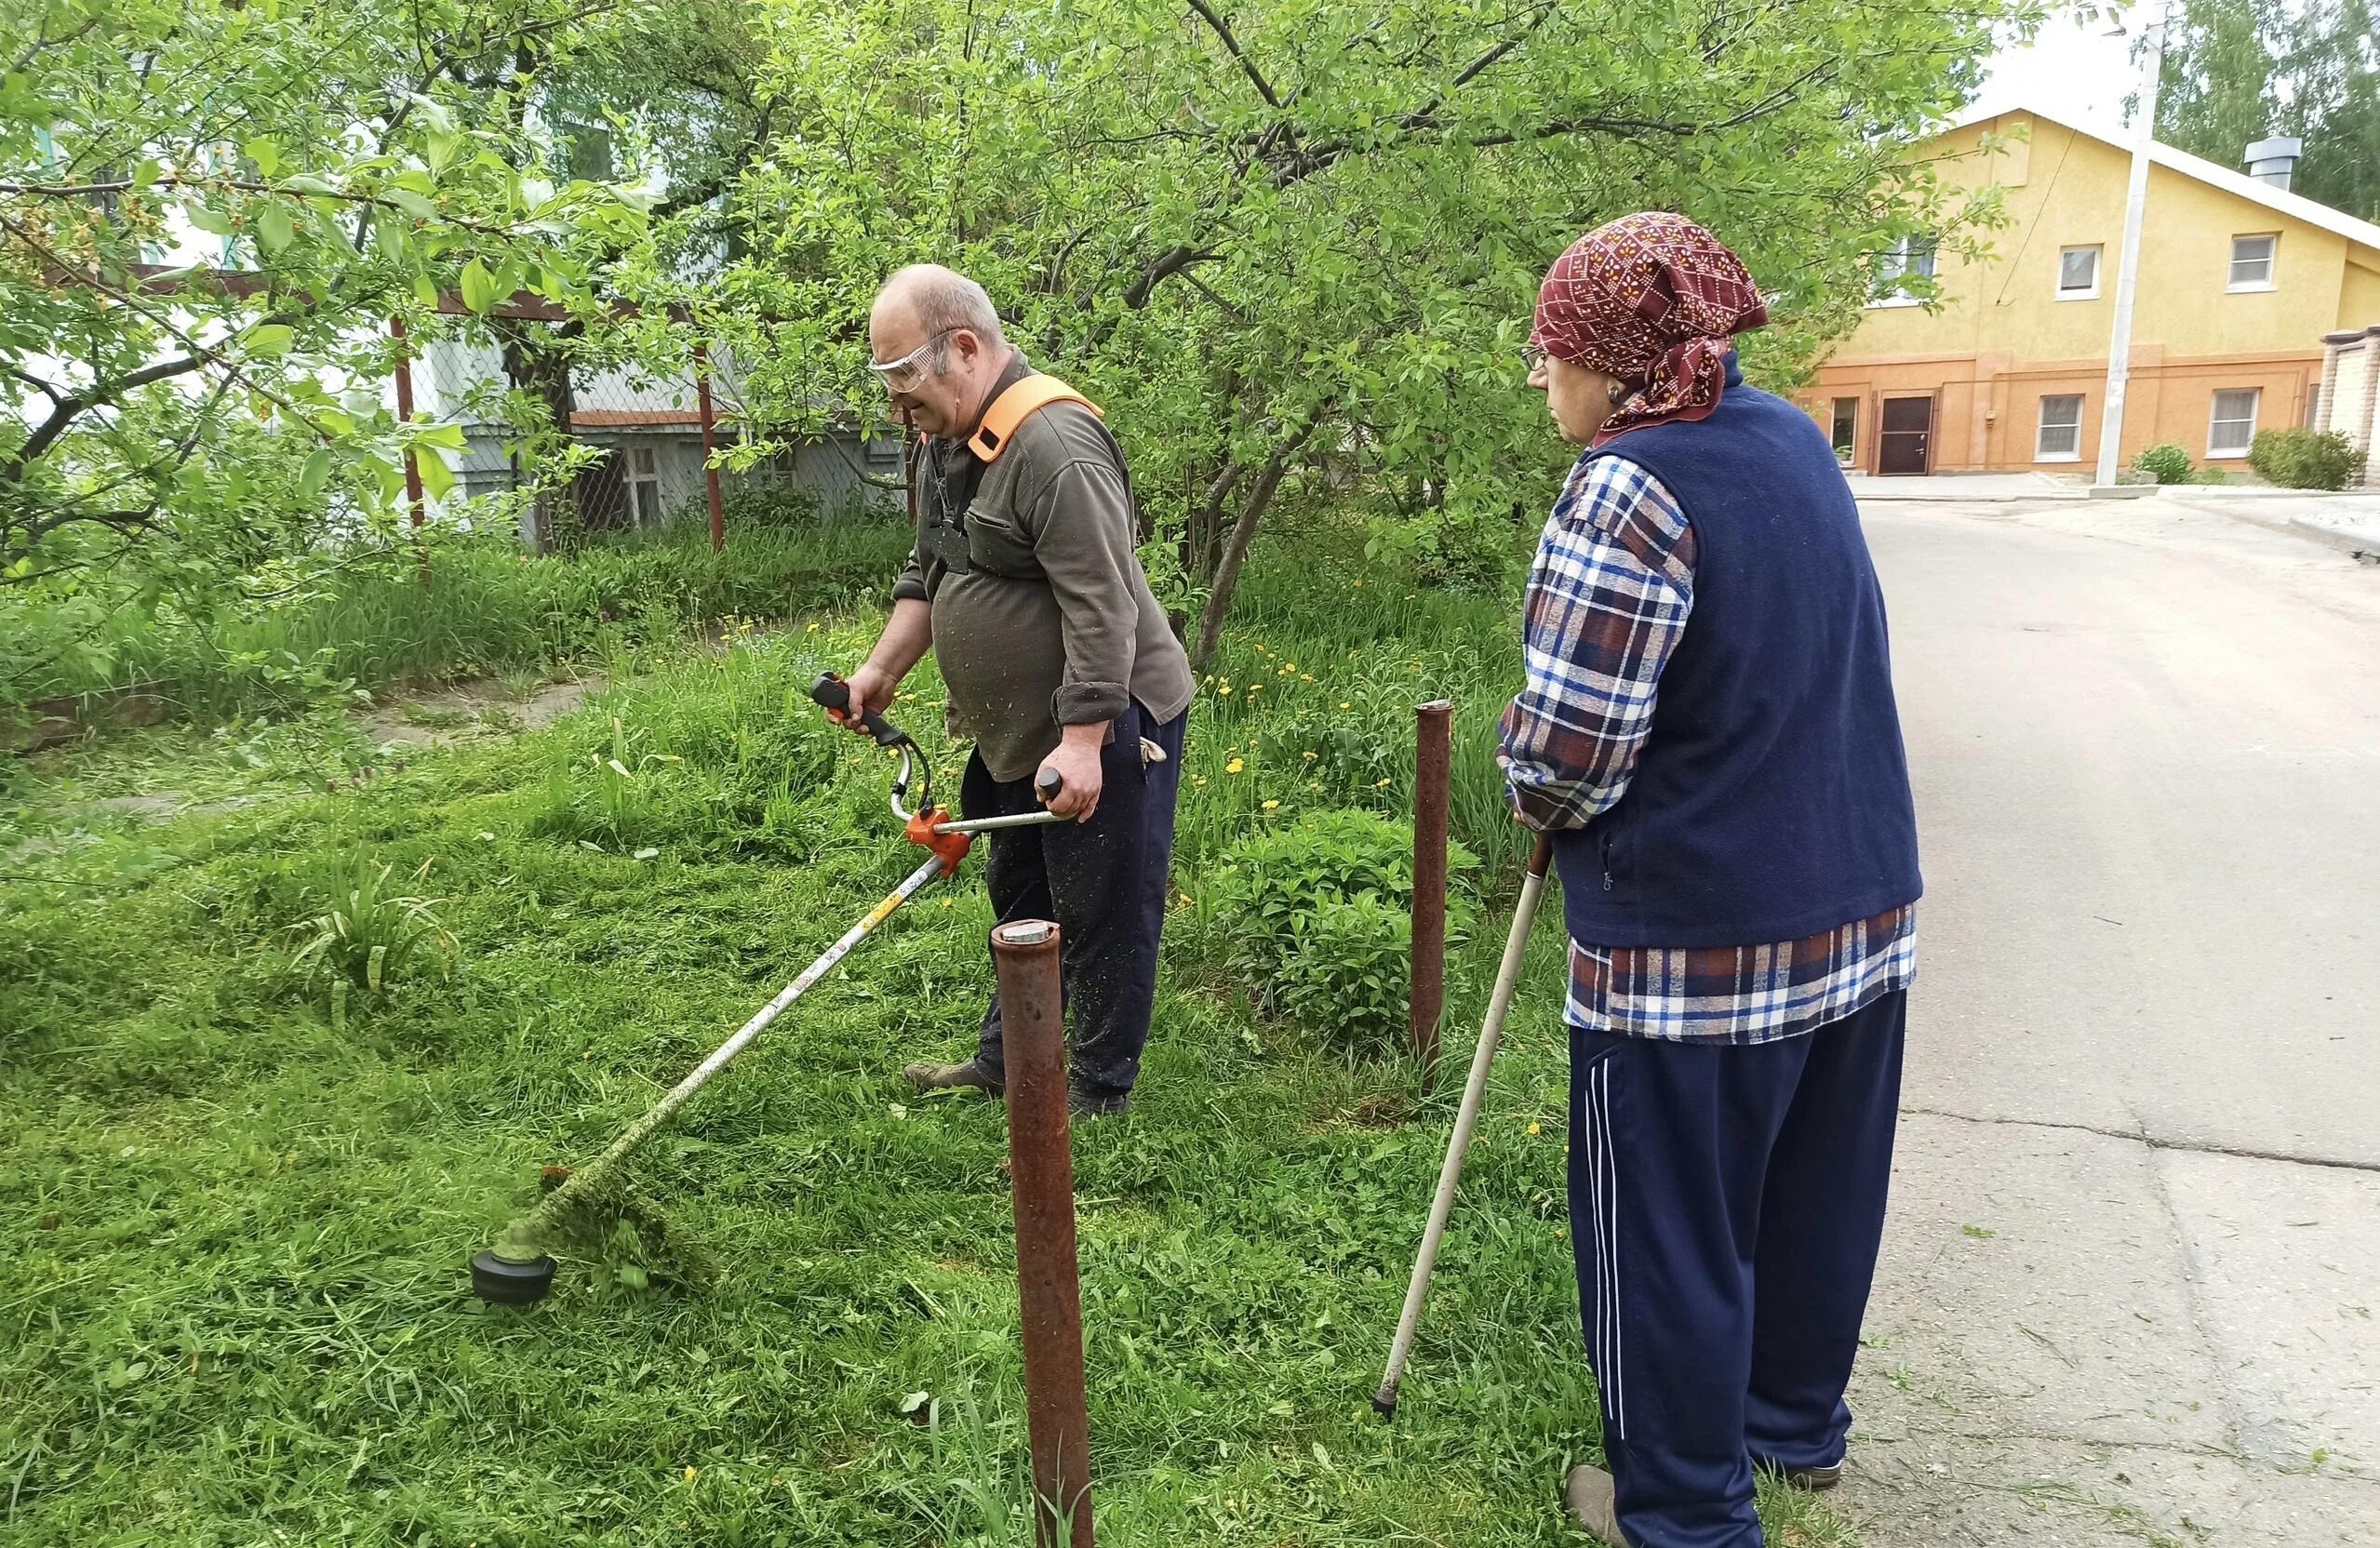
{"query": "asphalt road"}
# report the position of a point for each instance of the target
(2131, 1284)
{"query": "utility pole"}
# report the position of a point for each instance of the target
(2119, 344)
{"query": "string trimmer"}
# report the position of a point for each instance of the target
(519, 1267)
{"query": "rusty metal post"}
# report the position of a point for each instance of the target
(1433, 773)
(412, 469)
(710, 468)
(1042, 1182)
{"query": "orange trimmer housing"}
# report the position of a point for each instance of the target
(949, 848)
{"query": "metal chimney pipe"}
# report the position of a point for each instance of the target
(2275, 160)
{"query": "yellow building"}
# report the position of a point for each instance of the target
(2240, 282)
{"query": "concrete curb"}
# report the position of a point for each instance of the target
(2031, 497)
(2356, 545)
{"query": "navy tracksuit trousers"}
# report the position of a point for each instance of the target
(1726, 1205)
(1105, 883)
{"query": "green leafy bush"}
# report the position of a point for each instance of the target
(1320, 922)
(2165, 463)
(1345, 969)
(2305, 459)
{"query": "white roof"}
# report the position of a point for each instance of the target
(2295, 206)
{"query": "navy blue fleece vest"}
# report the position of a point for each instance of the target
(1772, 797)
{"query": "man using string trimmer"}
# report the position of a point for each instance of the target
(1056, 656)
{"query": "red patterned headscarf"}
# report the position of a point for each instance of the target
(1653, 300)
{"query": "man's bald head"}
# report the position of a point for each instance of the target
(939, 324)
(938, 300)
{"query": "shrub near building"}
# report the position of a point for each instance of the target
(2305, 459)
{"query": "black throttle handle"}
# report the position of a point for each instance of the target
(833, 694)
(1047, 786)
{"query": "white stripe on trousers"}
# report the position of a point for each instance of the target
(1603, 1208)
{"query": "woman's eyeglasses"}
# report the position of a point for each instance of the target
(1531, 357)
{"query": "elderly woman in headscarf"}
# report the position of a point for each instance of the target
(1709, 733)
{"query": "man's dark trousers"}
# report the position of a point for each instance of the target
(1105, 883)
(1725, 1204)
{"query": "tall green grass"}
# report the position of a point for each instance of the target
(487, 607)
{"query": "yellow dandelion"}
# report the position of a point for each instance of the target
(1255, 688)
(1309, 756)
(1359, 585)
(811, 630)
(1235, 767)
(1305, 677)
(1381, 784)
(1223, 692)
(1271, 805)
(1199, 780)
(689, 1473)
(1287, 669)
(1345, 705)
(1535, 1130)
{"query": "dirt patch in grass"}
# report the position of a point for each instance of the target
(482, 706)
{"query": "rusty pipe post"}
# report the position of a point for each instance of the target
(710, 463)
(1042, 1184)
(1433, 772)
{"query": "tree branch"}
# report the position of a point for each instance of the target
(66, 410)
(1166, 265)
(1231, 46)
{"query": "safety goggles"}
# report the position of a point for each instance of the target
(901, 375)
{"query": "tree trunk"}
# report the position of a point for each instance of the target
(533, 365)
(1200, 532)
(1234, 554)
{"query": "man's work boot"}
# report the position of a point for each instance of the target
(1815, 1479)
(1594, 1507)
(951, 1078)
(1089, 1105)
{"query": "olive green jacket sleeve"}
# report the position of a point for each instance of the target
(1081, 523)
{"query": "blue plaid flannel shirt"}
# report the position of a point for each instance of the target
(1608, 596)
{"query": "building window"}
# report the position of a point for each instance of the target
(1846, 428)
(587, 152)
(2251, 261)
(2078, 273)
(2059, 439)
(644, 486)
(1910, 258)
(2233, 429)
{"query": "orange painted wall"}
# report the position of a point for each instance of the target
(1987, 406)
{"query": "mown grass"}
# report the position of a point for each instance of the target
(234, 1308)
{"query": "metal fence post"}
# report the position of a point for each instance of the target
(1433, 772)
(1042, 1184)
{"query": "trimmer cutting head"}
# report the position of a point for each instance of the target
(502, 1282)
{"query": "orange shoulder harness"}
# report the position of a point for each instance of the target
(1012, 407)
